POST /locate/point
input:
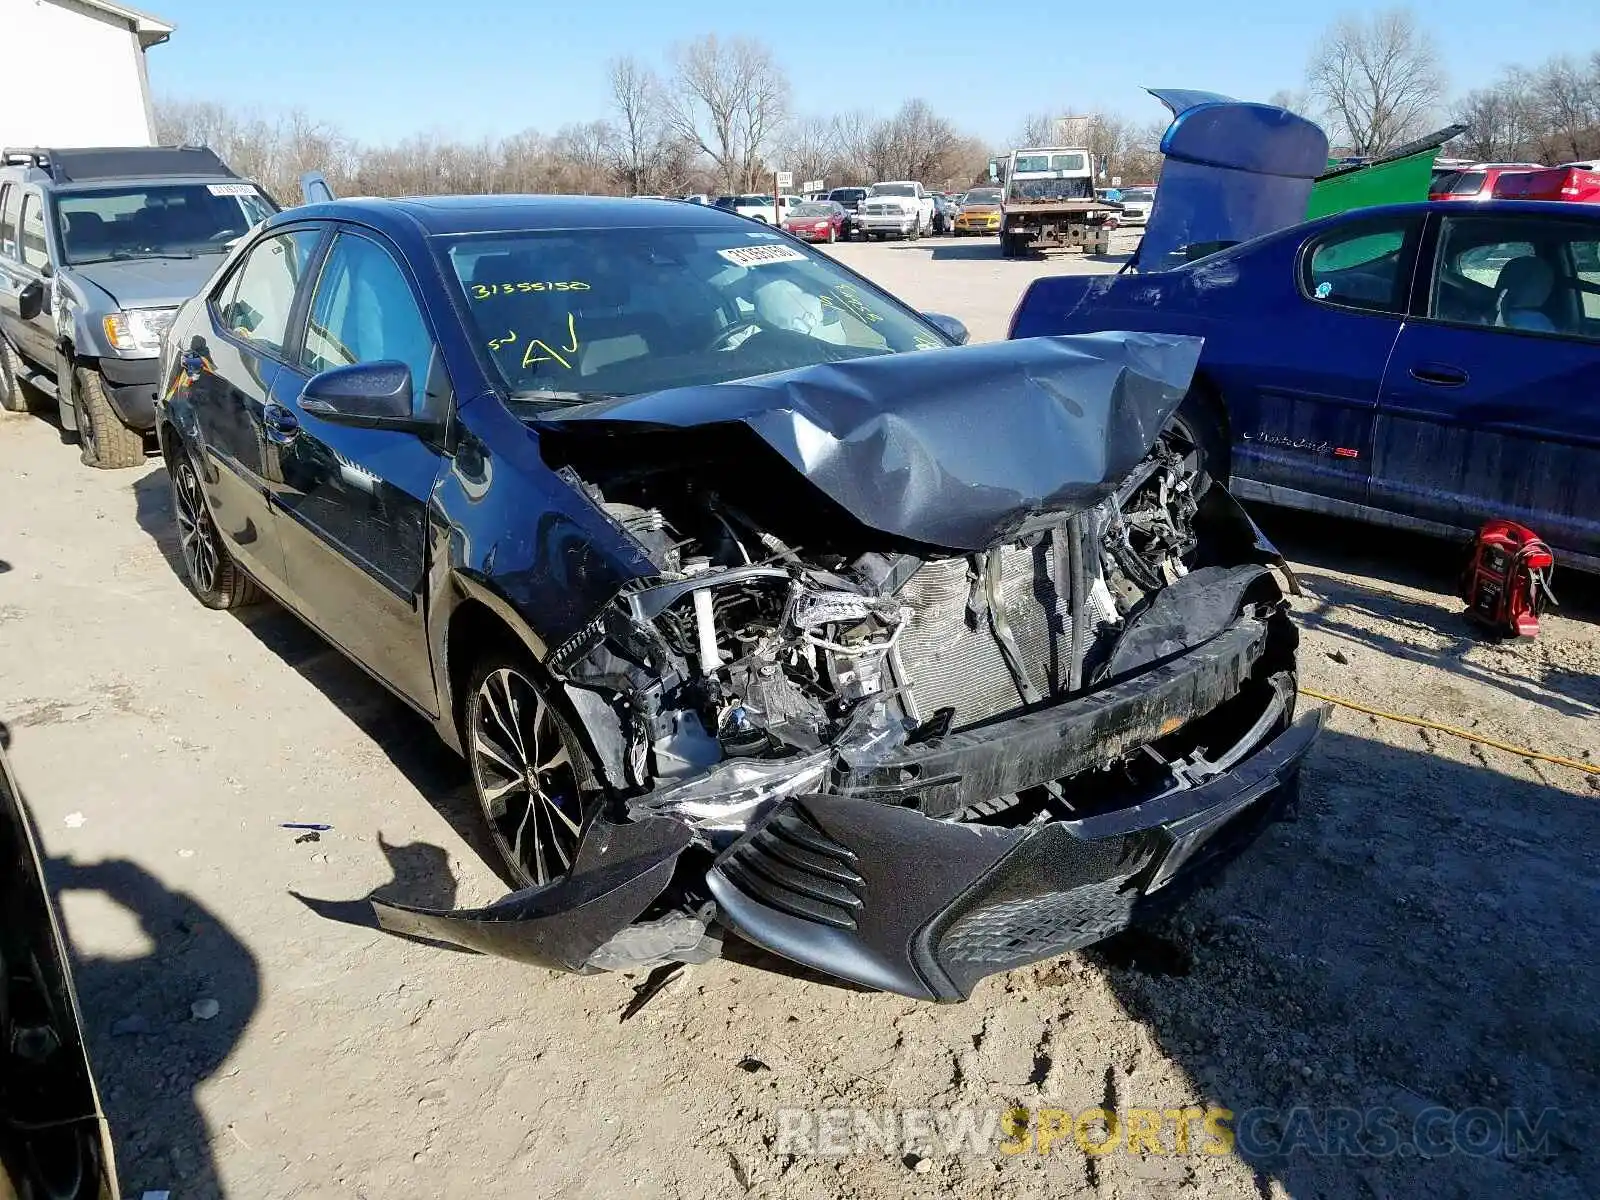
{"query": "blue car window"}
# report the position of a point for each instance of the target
(363, 311)
(1529, 275)
(1364, 267)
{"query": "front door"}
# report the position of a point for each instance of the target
(1491, 404)
(1302, 404)
(28, 273)
(355, 501)
(228, 377)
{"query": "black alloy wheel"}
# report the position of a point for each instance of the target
(216, 579)
(530, 772)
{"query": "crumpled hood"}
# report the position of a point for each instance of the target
(953, 448)
(150, 282)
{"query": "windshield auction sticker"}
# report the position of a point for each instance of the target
(231, 189)
(761, 256)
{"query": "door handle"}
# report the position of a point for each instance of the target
(1439, 375)
(280, 424)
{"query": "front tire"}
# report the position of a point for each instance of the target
(216, 579)
(12, 397)
(104, 440)
(530, 769)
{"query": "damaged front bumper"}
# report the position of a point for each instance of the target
(891, 864)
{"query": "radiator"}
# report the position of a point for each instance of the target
(948, 659)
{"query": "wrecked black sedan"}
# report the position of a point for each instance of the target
(756, 602)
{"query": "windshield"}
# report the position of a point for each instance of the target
(576, 314)
(1143, 195)
(755, 201)
(893, 189)
(847, 195)
(815, 209)
(1073, 188)
(983, 196)
(1465, 184)
(157, 220)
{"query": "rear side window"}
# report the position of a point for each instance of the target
(35, 249)
(10, 203)
(257, 300)
(1367, 266)
(1468, 183)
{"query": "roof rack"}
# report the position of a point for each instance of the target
(118, 162)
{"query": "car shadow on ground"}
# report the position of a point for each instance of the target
(1430, 565)
(406, 738)
(159, 1024)
(1414, 949)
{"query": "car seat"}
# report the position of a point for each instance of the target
(85, 232)
(1521, 292)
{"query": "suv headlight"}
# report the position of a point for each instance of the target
(138, 328)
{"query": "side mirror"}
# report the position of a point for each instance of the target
(373, 395)
(30, 300)
(949, 326)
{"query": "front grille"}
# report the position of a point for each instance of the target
(951, 659)
(791, 865)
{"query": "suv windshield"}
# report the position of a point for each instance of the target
(983, 196)
(893, 189)
(156, 220)
(847, 195)
(572, 314)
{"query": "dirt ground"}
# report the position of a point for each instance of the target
(1420, 939)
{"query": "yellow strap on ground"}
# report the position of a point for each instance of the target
(1465, 734)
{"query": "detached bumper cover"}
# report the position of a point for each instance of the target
(898, 901)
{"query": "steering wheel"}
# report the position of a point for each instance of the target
(724, 339)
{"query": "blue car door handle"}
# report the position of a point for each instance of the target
(280, 424)
(1439, 375)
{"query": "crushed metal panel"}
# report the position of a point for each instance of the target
(953, 448)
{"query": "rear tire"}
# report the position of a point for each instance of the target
(106, 442)
(216, 579)
(1200, 419)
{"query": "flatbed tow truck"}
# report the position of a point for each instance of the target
(1050, 203)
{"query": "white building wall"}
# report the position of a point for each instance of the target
(74, 77)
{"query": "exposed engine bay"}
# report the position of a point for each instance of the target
(929, 665)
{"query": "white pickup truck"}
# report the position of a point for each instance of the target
(896, 209)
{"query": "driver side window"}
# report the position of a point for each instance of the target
(1366, 266)
(363, 311)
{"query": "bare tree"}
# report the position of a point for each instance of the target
(1379, 79)
(809, 148)
(636, 105)
(1295, 100)
(730, 99)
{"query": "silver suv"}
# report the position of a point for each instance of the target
(97, 250)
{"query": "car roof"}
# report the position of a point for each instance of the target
(1544, 208)
(452, 215)
(133, 181)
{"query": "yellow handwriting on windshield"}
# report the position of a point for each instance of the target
(482, 291)
(570, 346)
(496, 343)
(850, 300)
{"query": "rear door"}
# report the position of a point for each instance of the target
(1302, 385)
(1491, 405)
(354, 501)
(32, 268)
(228, 377)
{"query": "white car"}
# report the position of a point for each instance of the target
(1136, 205)
(757, 208)
(896, 209)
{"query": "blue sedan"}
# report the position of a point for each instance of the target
(1418, 365)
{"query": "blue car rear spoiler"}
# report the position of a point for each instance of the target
(1233, 170)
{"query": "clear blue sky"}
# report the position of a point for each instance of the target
(382, 70)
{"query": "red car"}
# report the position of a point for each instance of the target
(1475, 182)
(1572, 184)
(816, 221)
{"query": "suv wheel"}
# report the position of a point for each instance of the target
(12, 397)
(216, 579)
(530, 769)
(107, 443)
